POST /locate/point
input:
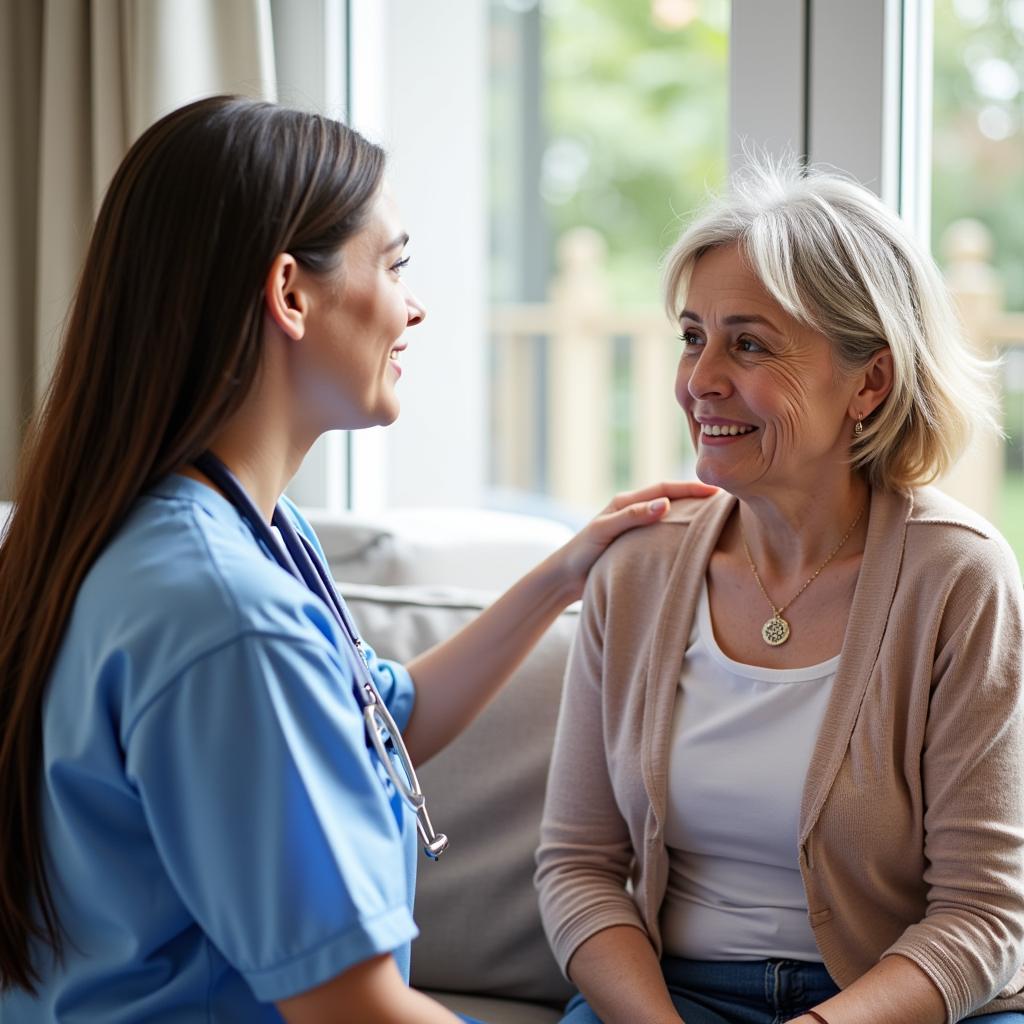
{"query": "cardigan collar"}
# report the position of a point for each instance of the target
(873, 596)
(678, 605)
(872, 601)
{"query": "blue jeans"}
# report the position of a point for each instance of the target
(734, 992)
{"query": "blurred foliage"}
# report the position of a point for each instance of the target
(979, 68)
(1011, 513)
(636, 122)
(637, 113)
(978, 171)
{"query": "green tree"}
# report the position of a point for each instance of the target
(978, 146)
(637, 125)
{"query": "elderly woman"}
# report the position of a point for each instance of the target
(787, 783)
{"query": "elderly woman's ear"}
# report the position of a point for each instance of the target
(875, 383)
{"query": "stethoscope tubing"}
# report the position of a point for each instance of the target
(297, 556)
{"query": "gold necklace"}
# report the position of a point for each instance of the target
(776, 630)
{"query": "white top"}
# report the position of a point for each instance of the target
(742, 738)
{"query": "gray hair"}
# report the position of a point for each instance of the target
(837, 259)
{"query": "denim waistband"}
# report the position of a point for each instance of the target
(755, 991)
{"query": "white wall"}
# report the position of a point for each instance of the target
(828, 80)
(419, 87)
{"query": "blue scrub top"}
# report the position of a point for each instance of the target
(218, 833)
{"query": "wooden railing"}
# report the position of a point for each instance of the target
(583, 394)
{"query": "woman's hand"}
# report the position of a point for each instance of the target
(895, 991)
(624, 512)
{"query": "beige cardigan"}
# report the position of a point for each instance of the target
(911, 833)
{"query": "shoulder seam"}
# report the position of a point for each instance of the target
(228, 593)
(213, 649)
(950, 521)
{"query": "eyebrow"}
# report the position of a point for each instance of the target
(731, 321)
(398, 242)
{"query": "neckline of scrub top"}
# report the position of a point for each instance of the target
(178, 486)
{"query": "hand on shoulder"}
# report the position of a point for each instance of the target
(624, 512)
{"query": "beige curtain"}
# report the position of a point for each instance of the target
(79, 81)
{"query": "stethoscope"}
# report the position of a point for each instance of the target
(296, 555)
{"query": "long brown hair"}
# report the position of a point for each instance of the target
(161, 346)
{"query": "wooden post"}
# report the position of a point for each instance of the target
(514, 418)
(656, 417)
(580, 375)
(967, 247)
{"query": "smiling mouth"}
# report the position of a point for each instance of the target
(724, 430)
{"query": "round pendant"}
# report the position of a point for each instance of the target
(775, 631)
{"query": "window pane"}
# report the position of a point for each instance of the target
(978, 209)
(608, 124)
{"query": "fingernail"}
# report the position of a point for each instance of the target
(658, 505)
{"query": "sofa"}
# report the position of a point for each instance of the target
(481, 949)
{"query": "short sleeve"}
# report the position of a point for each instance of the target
(395, 685)
(271, 815)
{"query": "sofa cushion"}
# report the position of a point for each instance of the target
(476, 908)
(475, 548)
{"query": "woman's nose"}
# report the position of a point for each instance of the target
(708, 374)
(417, 312)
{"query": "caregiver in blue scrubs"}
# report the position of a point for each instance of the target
(194, 824)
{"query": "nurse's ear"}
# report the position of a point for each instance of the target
(286, 301)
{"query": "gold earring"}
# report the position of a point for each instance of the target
(858, 428)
